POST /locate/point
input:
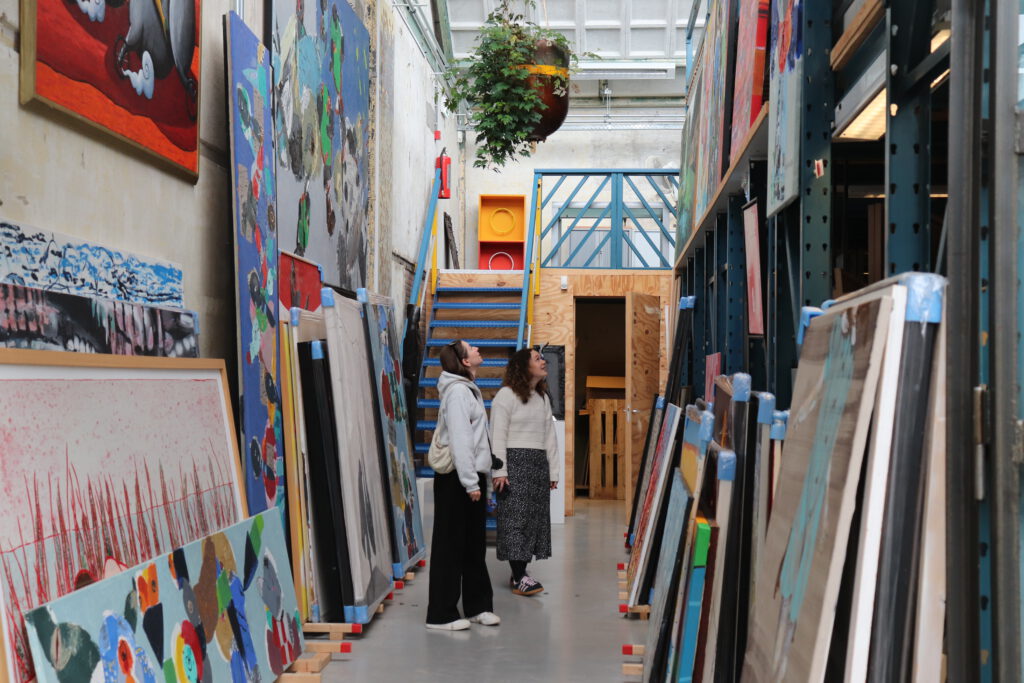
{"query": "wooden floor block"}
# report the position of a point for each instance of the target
(331, 627)
(410, 576)
(622, 576)
(311, 663)
(623, 595)
(633, 650)
(380, 608)
(328, 646)
(623, 586)
(632, 669)
(299, 678)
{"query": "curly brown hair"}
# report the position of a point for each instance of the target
(517, 375)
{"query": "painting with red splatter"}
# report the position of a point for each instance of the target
(115, 465)
(222, 608)
(128, 68)
(409, 544)
(300, 283)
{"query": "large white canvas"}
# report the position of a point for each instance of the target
(116, 461)
(362, 481)
(785, 85)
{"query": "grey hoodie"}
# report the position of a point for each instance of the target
(464, 428)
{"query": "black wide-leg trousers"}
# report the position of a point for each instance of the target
(458, 552)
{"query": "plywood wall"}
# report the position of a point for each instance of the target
(555, 323)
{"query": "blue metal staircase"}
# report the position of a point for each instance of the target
(487, 317)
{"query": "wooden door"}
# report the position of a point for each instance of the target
(643, 328)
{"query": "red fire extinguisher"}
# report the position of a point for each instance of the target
(444, 163)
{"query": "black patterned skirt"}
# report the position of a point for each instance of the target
(524, 514)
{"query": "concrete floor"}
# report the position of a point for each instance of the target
(571, 632)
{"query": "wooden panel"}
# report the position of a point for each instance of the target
(607, 452)
(555, 323)
(643, 320)
(475, 278)
(856, 33)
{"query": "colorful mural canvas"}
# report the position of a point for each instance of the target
(128, 68)
(715, 96)
(322, 102)
(366, 520)
(690, 158)
(409, 544)
(748, 87)
(255, 218)
(144, 461)
(752, 251)
(52, 261)
(802, 560)
(48, 320)
(218, 609)
(785, 84)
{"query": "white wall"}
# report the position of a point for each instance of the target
(566, 149)
(406, 152)
(60, 175)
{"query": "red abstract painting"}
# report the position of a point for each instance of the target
(129, 67)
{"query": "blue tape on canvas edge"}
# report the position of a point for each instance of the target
(318, 350)
(765, 407)
(327, 297)
(362, 295)
(827, 304)
(779, 420)
(397, 571)
(195, 322)
(632, 537)
(707, 425)
(296, 314)
(357, 614)
(661, 402)
(726, 466)
(741, 387)
(687, 302)
(924, 296)
(314, 612)
(807, 314)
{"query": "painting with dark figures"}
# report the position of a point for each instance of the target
(48, 320)
(322, 105)
(222, 608)
(49, 260)
(409, 544)
(98, 496)
(129, 68)
(256, 281)
(555, 356)
(366, 513)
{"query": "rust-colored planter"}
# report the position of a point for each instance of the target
(551, 60)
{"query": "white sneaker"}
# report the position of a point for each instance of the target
(486, 618)
(457, 625)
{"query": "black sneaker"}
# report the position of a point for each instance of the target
(528, 586)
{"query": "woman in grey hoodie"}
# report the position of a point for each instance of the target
(458, 565)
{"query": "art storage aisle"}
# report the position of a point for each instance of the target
(571, 632)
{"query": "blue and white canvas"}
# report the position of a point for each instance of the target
(49, 260)
(221, 608)
(409, 544)
(256, 266)
(785, 84)
(322, 106)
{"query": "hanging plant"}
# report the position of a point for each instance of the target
(517, 86)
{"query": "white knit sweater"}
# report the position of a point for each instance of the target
(515, 424)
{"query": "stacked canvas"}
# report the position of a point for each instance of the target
(353, 510)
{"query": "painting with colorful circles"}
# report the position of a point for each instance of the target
(218, 609)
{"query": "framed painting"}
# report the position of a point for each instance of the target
(785, 85)
(689, 160)
(48, 320)
(661, 465)
(802, 562)
(716, 99)
(748, 86)
(300, 283)
(119, 460)
(219, 608)
(129, 69)
(555, 357)
(408, 542)
(253, 202)
(666, 581)
(643, 481)
(61, 263)
(752, 250)
(322, 94)
(362, 478)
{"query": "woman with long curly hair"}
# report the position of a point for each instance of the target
(524, 438)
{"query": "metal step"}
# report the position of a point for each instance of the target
(422, 447)
(426, 425)
(488, 290)
(488, 362)
(485, 383)
(474, 323)
(436, 403)
(471, 306)
(425, 472)
(482, 343)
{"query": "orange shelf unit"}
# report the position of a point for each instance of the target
(502, 218)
